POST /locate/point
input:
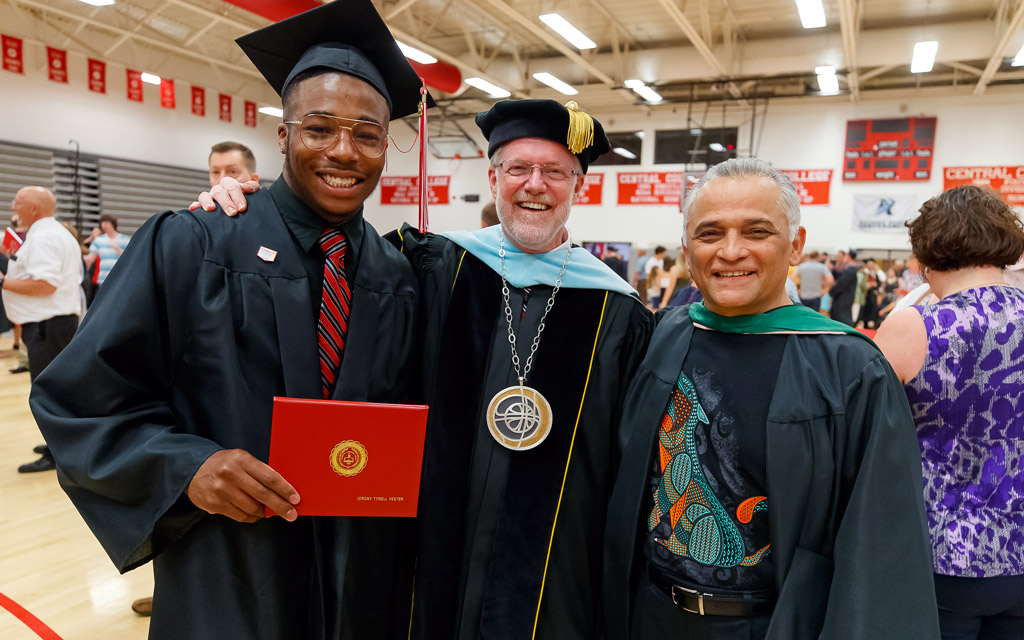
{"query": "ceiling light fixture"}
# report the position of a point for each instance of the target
(98, 3)
(625, 153)
(555, 83)
(642, 90)
(828, 83)
(415, 54)
(492, 90)
(716, 146)
(272, 111)
(1018, 60)
(150, 78)
(924, 56)
(812, 13)
(564, 28)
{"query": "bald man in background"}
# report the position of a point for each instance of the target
(41, 290)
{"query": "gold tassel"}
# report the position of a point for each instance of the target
(581, 128)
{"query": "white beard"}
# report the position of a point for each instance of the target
(529, 235)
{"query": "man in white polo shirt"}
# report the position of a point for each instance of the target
(42, 288)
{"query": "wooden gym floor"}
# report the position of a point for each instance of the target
(50, 563)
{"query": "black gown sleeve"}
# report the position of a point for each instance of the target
(122, 455)
(882, 538)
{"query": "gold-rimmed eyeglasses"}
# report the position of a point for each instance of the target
(551, 172)
(319, 131)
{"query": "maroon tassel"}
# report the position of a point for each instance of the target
(423, 159)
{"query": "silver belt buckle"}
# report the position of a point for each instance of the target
(692, 592)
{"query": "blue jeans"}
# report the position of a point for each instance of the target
(980, 608)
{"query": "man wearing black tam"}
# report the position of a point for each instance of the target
(164, 454)
(529, 345)
(523, 438)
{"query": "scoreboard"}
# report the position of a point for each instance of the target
(889, 149)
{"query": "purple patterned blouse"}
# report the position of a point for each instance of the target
(968, 404)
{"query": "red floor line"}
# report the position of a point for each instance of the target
(29, 620)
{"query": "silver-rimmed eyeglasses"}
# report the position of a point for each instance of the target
(551, 172)
(319, 131)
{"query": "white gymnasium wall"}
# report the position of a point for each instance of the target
(806, 135)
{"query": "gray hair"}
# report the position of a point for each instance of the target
(739, 168)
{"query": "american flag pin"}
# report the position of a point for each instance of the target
(266, 254)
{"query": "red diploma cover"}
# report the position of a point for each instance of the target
(11, 240)
(349, 458)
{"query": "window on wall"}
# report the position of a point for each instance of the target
(625, 148)
(694, 146)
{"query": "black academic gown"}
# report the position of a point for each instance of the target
(510, 542)
(846, 517)
(188, 342)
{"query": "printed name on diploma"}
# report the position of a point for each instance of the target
(380, 499)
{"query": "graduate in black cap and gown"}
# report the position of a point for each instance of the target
(160, 419)
(522, 444)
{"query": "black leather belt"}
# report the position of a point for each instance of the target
(740, 603)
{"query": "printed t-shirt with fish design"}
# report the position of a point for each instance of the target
(707, 506)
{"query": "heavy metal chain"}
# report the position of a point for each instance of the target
(508, 309)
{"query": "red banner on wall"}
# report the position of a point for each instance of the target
(655, 187)
(97, 76)
(225, 108)
(166, 93)
(134, 85)
(198, 101)
(811, 184)
(591, 192)
(12, 54)
(250, 114)
(1008, 182)
(57, 60)
(406, 189)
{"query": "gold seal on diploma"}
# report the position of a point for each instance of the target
(348, 457)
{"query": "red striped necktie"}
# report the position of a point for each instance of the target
(334, 307)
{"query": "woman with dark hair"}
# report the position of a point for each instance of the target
(962, 364)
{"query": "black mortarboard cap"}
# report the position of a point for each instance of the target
(346, 35)
(510, 120)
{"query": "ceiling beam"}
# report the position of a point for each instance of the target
(996, 60)
(550, 40)
(134, 37)
(468, 69)
(694, 37)
(399, 9)
(849, 28)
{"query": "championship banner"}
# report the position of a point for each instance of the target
(13, 61)
(57, 60)
(591, 191)
(250, 114)
(1008, 182)
(883, 214)
(656, 187)
(811, 184)
(198, 101)
(97, 76)
(225, 108)
(166, 93)
(134, 85)
(406, 189)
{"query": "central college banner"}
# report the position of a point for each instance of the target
(655, 187)
(591, 191)
(1008, 182)
(57, 60)
(811, 184)
(12, 50)
(406, 189)
(97, 76)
